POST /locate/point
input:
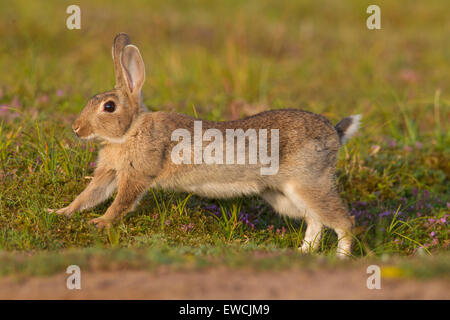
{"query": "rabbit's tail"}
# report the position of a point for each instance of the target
(347, 127)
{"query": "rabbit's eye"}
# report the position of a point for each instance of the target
(109, 106)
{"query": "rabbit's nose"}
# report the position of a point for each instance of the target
(75, 128)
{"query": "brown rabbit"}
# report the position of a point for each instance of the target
(138, 149)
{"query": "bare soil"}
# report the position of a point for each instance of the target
(222, 283)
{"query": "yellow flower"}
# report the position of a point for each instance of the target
(392, 272)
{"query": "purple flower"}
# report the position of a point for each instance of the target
(359, 204)
(3, 110)
(187, 227)
(60, 92)
(247, 219)
(244, 217)
(6, 112)
(385, 214)
(392, 143)
(432, 234)
(359, 213)
(214, 209)
(281, 232)
(15, 102)
(43, 99)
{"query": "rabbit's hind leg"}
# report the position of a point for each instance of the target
(281, 203)
(324, 208)
(312, 235)
(284, 205)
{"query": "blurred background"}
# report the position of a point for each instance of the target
(243, 55)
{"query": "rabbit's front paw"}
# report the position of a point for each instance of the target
(63, 211)
(101, 222)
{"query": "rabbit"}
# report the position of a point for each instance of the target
(137, 147)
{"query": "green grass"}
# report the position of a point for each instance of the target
(204, 57)
(186, 258)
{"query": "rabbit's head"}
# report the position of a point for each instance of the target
(108, 115)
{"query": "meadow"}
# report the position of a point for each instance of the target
(224, 60)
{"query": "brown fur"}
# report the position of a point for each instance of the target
(136, 155)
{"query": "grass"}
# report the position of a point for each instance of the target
(216, 59)
(186, 258)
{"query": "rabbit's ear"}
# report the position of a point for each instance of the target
(120, 41)
(133, 70)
